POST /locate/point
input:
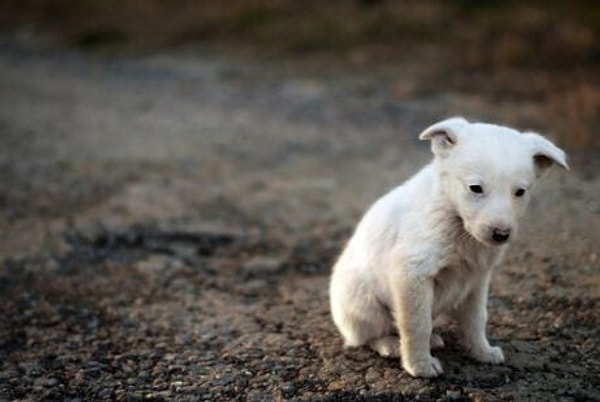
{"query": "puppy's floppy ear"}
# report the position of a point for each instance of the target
(545, 153)
(444, 134)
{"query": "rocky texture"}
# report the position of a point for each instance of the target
(168, 224)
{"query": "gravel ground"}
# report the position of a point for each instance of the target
(168, 225)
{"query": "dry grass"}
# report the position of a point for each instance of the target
(282, 25)
(576, 114)
(546, 51)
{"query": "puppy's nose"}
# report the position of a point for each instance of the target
(500, 235)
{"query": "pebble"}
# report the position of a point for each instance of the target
(176, 384)
(372, 375)
(143, 375)
(453, 394)
(288, 389)
(105, 393)
(158, 395)
(49, 382)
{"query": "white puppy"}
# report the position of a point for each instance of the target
(427, 248)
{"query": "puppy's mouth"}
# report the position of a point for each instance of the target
(491, 240)
(486, 240)
(493, 243)
(464, 232)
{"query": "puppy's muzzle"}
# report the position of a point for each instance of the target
(500, 235)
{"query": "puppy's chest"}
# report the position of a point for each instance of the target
(458, 278)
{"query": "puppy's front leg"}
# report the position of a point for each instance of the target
(413, 304)
(472, 318)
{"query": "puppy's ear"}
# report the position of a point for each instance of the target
(545, 153)
(444, 134)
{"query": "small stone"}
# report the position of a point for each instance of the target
(175, 385)
(225, 380)
(93, 364)
(105, 393)
(143, 375)
(50, 382)
(263, 265)
(288, 389)
(453, 394)
(372, 375)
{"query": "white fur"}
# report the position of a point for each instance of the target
(427, 248)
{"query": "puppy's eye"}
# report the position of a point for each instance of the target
(520, 192)
(475, 188)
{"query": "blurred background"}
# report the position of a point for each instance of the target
(177, 178)
(536, 50)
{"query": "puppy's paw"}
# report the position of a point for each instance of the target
(436, 341)
(492, 355)
(388, 346)
(426, 368)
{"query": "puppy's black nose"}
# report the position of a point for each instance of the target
(500, 235)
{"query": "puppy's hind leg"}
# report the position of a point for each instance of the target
(357, 312)
(387, 346)
(373, 328)
(436, 342)
(362, 323)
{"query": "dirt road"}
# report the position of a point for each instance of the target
(168, 225)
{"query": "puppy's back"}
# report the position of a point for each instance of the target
(389, 216)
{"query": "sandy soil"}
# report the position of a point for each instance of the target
(168, 225)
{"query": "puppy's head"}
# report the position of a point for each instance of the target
(486, 172)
